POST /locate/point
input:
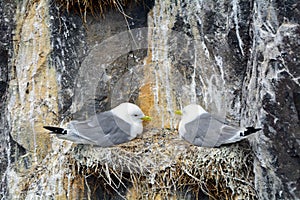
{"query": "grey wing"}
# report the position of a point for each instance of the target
(119, 132)
(229, 134)
(208, 131)
(103, 129)
(197, 130)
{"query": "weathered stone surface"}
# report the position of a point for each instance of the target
(239, 59)
(7, 9)
(271, 82)
(33, 85)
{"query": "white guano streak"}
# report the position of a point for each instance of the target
(235, 9)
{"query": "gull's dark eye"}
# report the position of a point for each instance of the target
(136, 115)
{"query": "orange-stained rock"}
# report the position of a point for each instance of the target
(33, 87)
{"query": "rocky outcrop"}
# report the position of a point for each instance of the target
(238, 59)
(7, 9)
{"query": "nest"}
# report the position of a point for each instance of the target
(157, 166)
(161, 166)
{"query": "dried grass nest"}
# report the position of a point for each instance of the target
(161, 166)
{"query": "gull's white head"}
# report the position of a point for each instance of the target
(191, 112)
(129, 112)
(133, 115)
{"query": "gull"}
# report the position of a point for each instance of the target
(116, 126)
(200, 128)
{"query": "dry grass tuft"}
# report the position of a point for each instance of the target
(94, 7)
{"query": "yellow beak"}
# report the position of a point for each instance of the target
(178, 112)
(146, 118)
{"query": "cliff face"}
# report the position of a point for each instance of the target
(6, 28)
(238, 59)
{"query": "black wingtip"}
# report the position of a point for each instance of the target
(55, 130)
(250, 130)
